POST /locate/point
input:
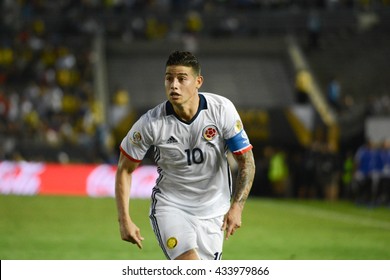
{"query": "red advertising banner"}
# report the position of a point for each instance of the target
(96, 180)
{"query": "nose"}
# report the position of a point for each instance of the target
(174, 83)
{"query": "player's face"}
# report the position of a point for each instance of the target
(181, 84)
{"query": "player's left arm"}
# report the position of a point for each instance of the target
(245, 176)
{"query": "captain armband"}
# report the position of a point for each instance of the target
(239, 143)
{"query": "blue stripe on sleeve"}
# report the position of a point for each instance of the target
(238, 142)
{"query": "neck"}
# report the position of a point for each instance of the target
(188, 110)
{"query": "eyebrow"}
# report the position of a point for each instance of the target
(178, 74)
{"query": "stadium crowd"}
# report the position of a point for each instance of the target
(46, 85)
(47, 93)
(318, 172)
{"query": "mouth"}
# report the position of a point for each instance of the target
(174, 95)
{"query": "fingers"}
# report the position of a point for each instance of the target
(132, 235)
(232, 220)
(139, 244)
(138, 239)
(224, 224)
(230, 227)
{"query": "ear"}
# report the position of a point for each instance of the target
(199, 81)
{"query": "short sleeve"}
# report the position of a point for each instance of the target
(138, 140)
(235, 136)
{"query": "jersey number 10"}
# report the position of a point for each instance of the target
(194, 156)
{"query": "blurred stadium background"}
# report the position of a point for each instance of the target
(310, 79)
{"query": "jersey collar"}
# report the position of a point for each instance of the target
(202, 106)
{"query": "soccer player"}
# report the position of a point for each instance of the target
(193, 202)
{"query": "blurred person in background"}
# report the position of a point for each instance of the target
(309, 186)
(382, 195)
(347, 176)
(334, 94)
(314, 28)
(368, 166)
(328, 172)
(302, 85)
(278, 173)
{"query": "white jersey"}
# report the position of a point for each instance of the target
(191, 156)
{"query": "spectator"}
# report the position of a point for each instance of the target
(302, 86)
(347, 176)
(382, 195)
(309, 187)
(368, 165)
(314, 30)
(278, 173)
(328, 173)
(334, 94)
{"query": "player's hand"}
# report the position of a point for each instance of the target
(131, 233)
(232, 220)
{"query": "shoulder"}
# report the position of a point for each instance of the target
(155, 113)
(216, 100)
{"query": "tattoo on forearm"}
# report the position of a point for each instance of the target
(246, 173)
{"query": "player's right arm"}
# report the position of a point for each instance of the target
(128, 230)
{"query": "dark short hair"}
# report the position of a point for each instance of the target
(184, 58)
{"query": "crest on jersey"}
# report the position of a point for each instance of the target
(171, 242)
(238, 126)
(209, 132)
(136, 137)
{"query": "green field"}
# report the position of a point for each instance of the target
(77, 228)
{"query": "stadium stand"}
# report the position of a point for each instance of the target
(69, 71)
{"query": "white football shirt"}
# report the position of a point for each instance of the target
(191, 156)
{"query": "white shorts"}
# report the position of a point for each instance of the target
(177, 232)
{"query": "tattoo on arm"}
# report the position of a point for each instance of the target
(245, 176)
